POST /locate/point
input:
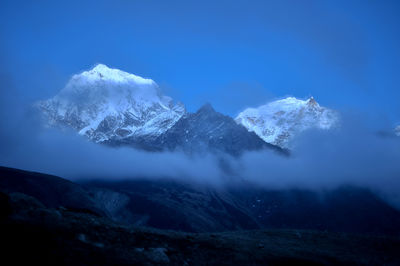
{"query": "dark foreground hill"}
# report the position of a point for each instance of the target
(49, 220)
(32, 233)
(185, 207)
(168, 204)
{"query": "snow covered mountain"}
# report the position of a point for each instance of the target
(279, 121)
(108, 104)
(114, 107)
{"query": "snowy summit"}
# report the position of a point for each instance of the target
(107, 104)
(102, 72)
(279, 121)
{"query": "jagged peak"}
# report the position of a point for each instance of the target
(311, 101)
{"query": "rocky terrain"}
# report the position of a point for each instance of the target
(173, 205)
(35, 233)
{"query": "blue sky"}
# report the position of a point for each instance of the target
(233, 54)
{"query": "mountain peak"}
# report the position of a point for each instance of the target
(279, 121)
(110, 104)
(206, 108)
(312, 102)
(101, 67)
(101, 72)
(210, 131)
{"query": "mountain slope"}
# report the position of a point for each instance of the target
(280, 121)
(164, 204)
(33, 234)
(176, 205)
(108, 104)
(50, 190)
(208, 130)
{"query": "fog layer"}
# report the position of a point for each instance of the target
(350, 155)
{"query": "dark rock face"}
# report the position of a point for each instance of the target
(208, 130)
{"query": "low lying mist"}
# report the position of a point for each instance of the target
(351, 155)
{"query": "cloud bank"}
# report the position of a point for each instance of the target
(351, 155)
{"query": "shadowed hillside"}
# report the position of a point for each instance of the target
(168, 204)
(32, 233)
